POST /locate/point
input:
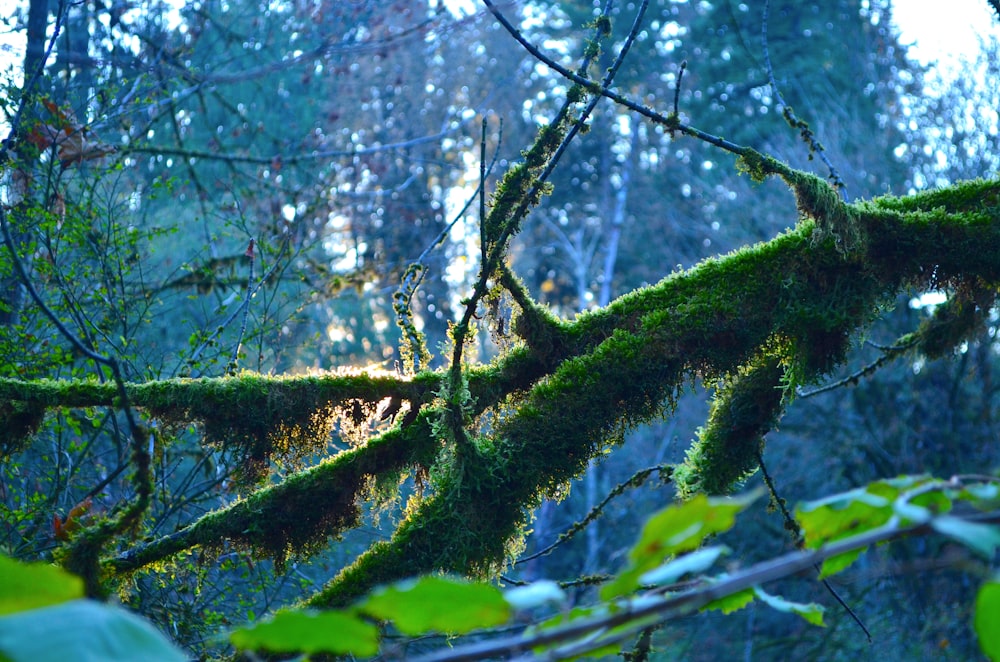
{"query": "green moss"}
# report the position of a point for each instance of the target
(299, 515)
(751, 163)
(818, 200)
(82, 558)
(977, 197)
(760, 320)
(746, 406)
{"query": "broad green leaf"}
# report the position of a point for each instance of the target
(835, 564)
(937, 501)
(535, 594)
(987, 619)
(439, 604)
(675, 529)
(680, 528)
(982, 538)
(306, 631)
(695, 562)
(841, 516)
(83, 630)
(626, 582)
(25, 586)
(731, 603)
(812, 612)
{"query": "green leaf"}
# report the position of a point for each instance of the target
(811, 612)
(730, 603)
(439, 604)
(680, 528)
(677, 528)
(842, 515)
(695, 562)
(982, 538)
(986, 619)
(835, 564)
(83, 630)
(306, 631)
(936, 501)
(25, 586)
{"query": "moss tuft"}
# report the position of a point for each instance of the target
(745, 408)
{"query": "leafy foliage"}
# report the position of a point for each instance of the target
(647, 591)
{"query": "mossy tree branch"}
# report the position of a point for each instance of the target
(796, 300)
(760, 321)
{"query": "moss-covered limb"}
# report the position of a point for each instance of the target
(973, 197)
(202, 397)
(935, 248)
(718, 313)
(46, 393)
(481, 505)
(535, 324)
(745, 408)
(462, 528)
(626, 362)
(302, 512)
(256, 416)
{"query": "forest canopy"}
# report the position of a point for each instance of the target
(320, 317)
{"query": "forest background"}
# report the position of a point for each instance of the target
(227, 189)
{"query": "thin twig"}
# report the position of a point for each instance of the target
(636, 480)
(793, 528)
(250, 253)
(219, 329)
(672, 122)
(815, 147)
(677, 87)
(890, 353)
